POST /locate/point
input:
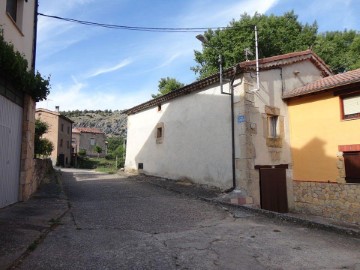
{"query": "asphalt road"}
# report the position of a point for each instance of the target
(116, 222)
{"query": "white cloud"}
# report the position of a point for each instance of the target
(118, 66)
(79, 97)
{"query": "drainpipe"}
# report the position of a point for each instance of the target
(232, 132)
(257, 63)
(35, 35)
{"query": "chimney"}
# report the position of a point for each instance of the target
(57, 108)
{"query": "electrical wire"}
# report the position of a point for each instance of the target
(134, 28)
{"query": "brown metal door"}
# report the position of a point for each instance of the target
(273, 190)
(352, 167)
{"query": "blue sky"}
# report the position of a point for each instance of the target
(96, 68)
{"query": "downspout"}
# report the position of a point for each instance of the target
(35, 35)
(232, 132)
(257, 62)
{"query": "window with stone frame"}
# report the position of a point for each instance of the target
(273, 127)
(159, 133)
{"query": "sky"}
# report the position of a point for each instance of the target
(97, 68)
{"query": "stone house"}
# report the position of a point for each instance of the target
(87, 139)
(325, 146)
(59, 133)
(17, 108)
(235, 137)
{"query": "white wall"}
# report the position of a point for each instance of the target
(197, 139)
(20, 34)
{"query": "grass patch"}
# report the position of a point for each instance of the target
(99, 164)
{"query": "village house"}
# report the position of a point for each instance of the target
(17, 108)
(59, 133)
(325, 146)
(236, 138)
(87, 139)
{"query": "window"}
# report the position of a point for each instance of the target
(11, 9)
(273, 126)
(159, 133)
(350, 106)
(68, 130)
(14, 9)
(92, 141)
(159, 107)
(62, 127)
(61, 142)
(68, 144)
(352, 166)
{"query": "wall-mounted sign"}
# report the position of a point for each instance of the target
(241, 118)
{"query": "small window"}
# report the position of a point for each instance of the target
(273, 126)
(62, 127)
(11, 8)
(92, 141)
(68, 130)
(352, 167)
(61, 142)
(68, 144)
(159, 133)
(350, 106)
(159, 107)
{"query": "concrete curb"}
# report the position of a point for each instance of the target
(274, 215)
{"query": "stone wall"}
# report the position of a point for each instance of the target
(27, 185)
(41, 169)
(334, 200)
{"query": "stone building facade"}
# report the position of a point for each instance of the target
(59, 133)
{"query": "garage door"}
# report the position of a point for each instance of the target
(10, 150)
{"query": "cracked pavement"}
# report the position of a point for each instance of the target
(118, 222)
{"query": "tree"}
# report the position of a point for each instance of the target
(98, 150)
(166, 85)
(43, 147)
(276, 35)
(340, 50)
(113, 143)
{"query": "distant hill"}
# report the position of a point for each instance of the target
(112, 123)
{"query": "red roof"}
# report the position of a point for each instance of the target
(264, 64)
(326, 83)
(87, 130)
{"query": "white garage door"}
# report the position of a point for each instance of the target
(10, 150)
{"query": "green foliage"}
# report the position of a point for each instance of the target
(340, 50)
(166, 85)
(14, 69)
(43, 147)
(276, 35)
(99, 164)
(113, 143)
(82, 153)
(98, 150)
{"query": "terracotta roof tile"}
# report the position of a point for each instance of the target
(87, 130)
(264, 64)
(326, 83)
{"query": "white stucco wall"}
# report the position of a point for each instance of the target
(21, 33)
(197, 139)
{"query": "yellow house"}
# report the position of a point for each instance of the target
(325, 146)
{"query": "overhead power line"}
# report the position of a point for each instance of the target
(134, 28)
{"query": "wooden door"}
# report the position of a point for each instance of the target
(273, 191)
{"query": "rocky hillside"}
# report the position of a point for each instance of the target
(113, 123)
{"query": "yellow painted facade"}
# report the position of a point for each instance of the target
(316, 131)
